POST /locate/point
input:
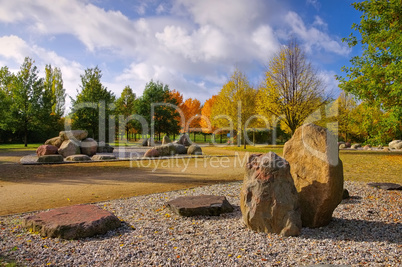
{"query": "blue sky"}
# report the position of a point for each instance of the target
(193, 46)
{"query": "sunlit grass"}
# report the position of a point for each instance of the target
(18, 147)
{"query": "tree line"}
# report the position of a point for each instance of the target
(292, 92)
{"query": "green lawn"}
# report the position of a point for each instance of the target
(18, 147)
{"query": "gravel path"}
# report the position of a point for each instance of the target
(366, 230)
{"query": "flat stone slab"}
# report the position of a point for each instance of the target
(103, 157)
(78, 157)
(51, 158)
(386, 186)
(206, 205)
(72, 222)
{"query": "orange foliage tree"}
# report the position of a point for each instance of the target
(192, 111)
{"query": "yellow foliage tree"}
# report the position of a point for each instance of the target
(234, 104)
(206, 120)
(292, 89)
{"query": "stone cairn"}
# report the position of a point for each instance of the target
(73, 146)
(168, 148)
(278, 199)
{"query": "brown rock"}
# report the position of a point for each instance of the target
(194, 150)
(55, 158)
(103, 157)
(89, 147)
(76, 135)
(72, 222)
(184, 140)
(151, 153)
(179, 149)
(46, 150)
(268, 199)
(166, 150)
(78, 157)
(200, 205)
(317, 171)
(68, 148)
(55, 141)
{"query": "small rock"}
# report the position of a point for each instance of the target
(356, 146)
(144, 142)
(51, 158)
(78, 157)
(386, 186)
(166, 140)
(194, 150)
(342, 146)
(72, 222)
(200, 205)
(103, 157)
(184, 140)
(345, 194)
(367, 147)
(396, 144)
(46, 150)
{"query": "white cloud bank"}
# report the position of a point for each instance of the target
(192, 45)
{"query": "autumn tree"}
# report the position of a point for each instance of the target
(375, 76)
(346, 106)
(206, 120)
(192, 111)
(292, 89)
(93, 105)
(176, 96)
(234, 104)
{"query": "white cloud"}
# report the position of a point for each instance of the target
(314, 39)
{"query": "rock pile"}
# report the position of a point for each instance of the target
(71, 145)
(180, 147)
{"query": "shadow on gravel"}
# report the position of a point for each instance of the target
(357, 230)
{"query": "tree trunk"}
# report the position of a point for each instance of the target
(253, 137)
(26, 134)
(221, 138)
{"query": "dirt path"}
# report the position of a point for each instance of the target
(26, 188)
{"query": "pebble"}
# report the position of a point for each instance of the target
(366, 230)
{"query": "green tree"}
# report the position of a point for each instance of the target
(346, 106)
(6, 79)
(292, 89)
(158, 96)
(93, 105)
(236, 102)
(26, 93)
(125, 106)
(54, 90)
(375, 76)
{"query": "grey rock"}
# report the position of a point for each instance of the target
(68, 148)
(104, 148)
(356, 146)
(166, 150)
(194, 150)
(184, 140)
(205, 205)
(180, 149)
(386, 186)
(396, 144)
(151, 153)
(89, 147)
(51, 158)
(103, 157)
(78, 157)
(55, 141)
(144, 142)
(166, 140)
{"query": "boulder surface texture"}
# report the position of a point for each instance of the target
(194, 150)
(268, 200)
(76, 135)
(317, 172)
(166, 140)
(205, 205)
(89, 147)
(72, 222)
(55, 158)
(184, 140)
(396, 144)
(55, 141)
(68, 148)
(46, 150)
(78, 157)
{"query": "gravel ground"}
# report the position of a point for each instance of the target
(366, 230)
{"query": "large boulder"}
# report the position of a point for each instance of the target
(166, 150)
(76, 135)
(46, 150)
(184, 140)
(396, 144)
(72, 222)
(89, 147)
(204, 205)
(55, 158)
(55, 141)
(166, 140)
(180, 149)
(151, 153)
(268, 198)
(68, 148)
(104, 148)
(194, 150)
(317, 172)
